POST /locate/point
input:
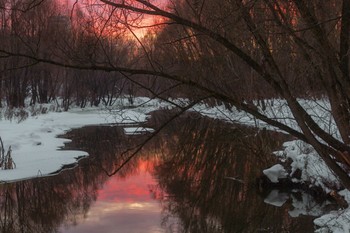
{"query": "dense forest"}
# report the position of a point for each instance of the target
(233, 52)
(87, 35)
(47, 30)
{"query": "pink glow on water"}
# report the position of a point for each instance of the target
(123, 205)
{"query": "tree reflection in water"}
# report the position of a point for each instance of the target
(194, 188)
(192, 160)
(43, 204)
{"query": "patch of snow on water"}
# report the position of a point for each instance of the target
(275, 173)
(137, 130)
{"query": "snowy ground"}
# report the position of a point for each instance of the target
(35, 145)
(314, 170)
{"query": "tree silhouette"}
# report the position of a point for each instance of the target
(208, 49)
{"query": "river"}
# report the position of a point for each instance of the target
(195, 175)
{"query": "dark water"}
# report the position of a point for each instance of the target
(180, 181)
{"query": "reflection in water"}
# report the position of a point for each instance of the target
(44, 204)
(198, 192)
(197, 175)
(123, 203)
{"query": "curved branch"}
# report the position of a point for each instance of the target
(280, 86)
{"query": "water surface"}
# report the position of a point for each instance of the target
(196, 175)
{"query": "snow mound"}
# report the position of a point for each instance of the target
(313, 169)
(275, 173)
(335, 221)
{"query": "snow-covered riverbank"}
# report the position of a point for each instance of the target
(35, 144)
(304, 158)
(34, 141)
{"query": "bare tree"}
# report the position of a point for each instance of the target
(308, 37)
(211, 48)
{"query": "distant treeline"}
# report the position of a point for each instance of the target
(80, 38)
(65, 38)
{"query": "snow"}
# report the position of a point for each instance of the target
(335, 221)
(137, 130)
(34, 142)
(313, 168)
(36, 147)
(276, 109)
(275, 173)
(304, 158)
